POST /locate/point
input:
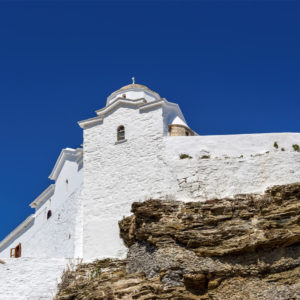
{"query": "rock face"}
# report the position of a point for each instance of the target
(242, 248)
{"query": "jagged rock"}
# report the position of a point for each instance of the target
(107, 279)
(246, 223)
(2, 262)
(242, 248)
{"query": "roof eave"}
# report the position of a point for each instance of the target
(119, 101)
(46, 194)
(90, 122)
(16, 231)
(65, 154)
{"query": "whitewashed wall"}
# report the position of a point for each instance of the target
(148, 165)
(59, 235)
(116, 175)
(230, 145)
(236, 164)
(30, 278)
(202, 179)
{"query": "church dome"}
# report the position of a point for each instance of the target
(134, 86)
(133, 92)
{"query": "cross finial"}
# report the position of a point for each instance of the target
(133, 80)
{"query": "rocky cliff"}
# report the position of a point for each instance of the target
(247, 247)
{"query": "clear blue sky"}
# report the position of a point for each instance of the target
(232, 66)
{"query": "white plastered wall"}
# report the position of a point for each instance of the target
(237, 164)
(231, 145)
(30, 278)
(60, 235)
(148, 165)
(116, 175)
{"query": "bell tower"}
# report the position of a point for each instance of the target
(124, 162)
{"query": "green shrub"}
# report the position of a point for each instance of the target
(275, 145)
(184, 156)
(296, 147)
(96, 273)
(205, 156)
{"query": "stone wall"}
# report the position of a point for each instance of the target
(179, 130)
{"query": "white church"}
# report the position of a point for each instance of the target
(138, 147)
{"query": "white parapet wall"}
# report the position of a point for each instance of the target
(223, 166)
(231, 145)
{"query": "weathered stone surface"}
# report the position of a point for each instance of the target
(246, 223)
(247, 247)
(107, 279)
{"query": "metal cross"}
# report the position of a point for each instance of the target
(133, 80)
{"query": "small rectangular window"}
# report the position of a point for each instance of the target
(121, 133)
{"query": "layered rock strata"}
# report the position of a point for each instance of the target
(247, 247)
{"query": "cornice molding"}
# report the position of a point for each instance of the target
(120, 101)
(141, 103)
(44, 196)
(65, 154)
(90, 122)
(151, 105)
(16, 231)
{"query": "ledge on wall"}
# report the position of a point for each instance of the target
(120, 142)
